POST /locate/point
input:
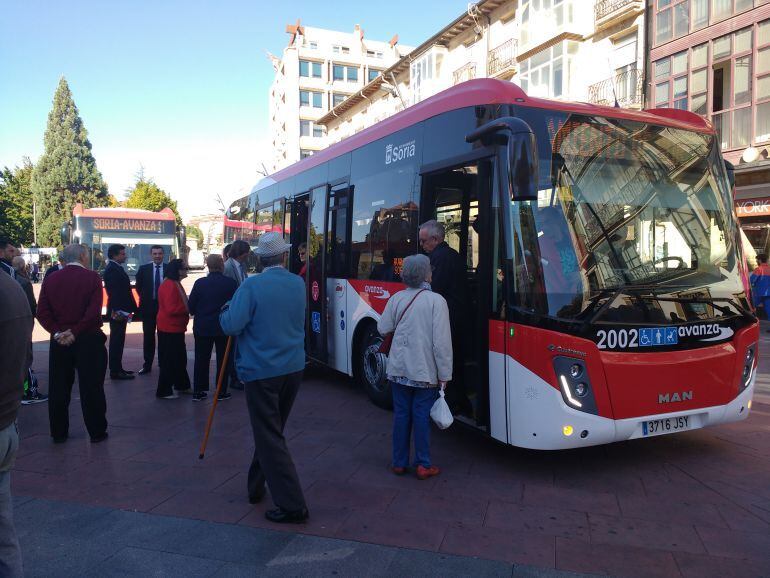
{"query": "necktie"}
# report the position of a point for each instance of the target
(156, 283)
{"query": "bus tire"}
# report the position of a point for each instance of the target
(370, 367)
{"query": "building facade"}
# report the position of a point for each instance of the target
(713, 57)
(551, 48)
(319, 69)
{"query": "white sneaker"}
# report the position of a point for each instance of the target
(172, 396)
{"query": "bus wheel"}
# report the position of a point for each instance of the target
(371, 368)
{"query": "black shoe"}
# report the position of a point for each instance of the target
(121, 375)
(100, 438)
(200, 396)
(60, 440)
(223, 396)
(145, 370)
(256, 498)
(281, 516)
(33, 397)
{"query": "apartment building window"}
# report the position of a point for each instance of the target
(337, 98)
(544, 15)
(699, 79)
(305, 153)
(339, 49)
(546, 74)
(318, 130)
(308, 128)
(372, 74)
(311, 98)
(374, 53)
(309, 69)
(675, 18)
(345, 73)
(699, 15)
(313, 45)
(762, 115)
(304, 127)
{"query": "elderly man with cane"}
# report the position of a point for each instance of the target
(267, 314)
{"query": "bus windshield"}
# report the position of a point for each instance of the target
(633, 223)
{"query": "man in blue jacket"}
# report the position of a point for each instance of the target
(267, 314)
(120, 303)
(207, 297)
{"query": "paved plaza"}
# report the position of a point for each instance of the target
(142, 503)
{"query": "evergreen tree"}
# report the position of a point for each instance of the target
(66, 173)
(147, 195)
(16, 203)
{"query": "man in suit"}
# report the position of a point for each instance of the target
(70, 309)
(148, 280)
(7, 253)
(120, 303)
(58, 266)
(208, 296)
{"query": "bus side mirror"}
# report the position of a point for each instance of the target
(66, 233)
(519, 159)
(730, 168)
(523, 166)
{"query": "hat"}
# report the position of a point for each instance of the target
(271, 244)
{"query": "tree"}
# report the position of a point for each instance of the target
(194, 232)
(16, 203)
(66, 173)
(147, 195)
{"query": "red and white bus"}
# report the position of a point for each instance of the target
(605, 282)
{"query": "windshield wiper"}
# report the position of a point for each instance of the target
(745, 313)
(614, 292)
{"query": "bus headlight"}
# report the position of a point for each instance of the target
(749, 365)
(574, 384)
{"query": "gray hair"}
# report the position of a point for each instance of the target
(18, 263)
(271, 260)
(73, 253)
(434, 228)
(415, 270)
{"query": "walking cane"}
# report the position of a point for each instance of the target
(222, 372)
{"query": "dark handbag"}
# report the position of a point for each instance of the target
(387, 339)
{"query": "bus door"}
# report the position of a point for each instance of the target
(336, 271)
(315, 276)
(460, 199)
(296, 210)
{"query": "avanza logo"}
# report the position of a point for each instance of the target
(377, 292)
(674, 397)
(396, 153)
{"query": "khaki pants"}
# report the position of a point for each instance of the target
(10, 553)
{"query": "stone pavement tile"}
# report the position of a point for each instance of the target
(350, 495)
(170, 454)
(419, 563)
(307, 448)
(408, 532)
(140, 562)
(115, 471)
(128, 496)
(323, 521)
(58, 555)
(235, 486)
(663, 508)
(45, 462)
(735, 544)
(552, 522)
(622, 561)
(41, 519)
(645, 534)
(205, 506)
(741, 518)
(454, 483)
(700, 566)
(382, 475)
(566, 499)
(47, 486)
(517, 547)
(190, 477)
(434, 506)
(330, 438)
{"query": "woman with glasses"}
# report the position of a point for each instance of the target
(173, 316)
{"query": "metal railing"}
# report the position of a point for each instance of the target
(502, 57)
(626, 87)
(606, 7)
(465, 72)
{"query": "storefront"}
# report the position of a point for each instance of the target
(752, 206)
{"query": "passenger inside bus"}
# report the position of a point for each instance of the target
(385, 271)
(561, 270)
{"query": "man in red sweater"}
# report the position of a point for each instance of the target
(70, 309)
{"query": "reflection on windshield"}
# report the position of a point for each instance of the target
(628, 205)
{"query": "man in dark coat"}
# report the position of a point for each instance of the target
(148, 280)
(208, 296)
(120, 303)
(449, 281)
(7, 253)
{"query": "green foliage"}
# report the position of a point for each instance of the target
(16, 203)
(66, 173)
(147, 195)
(194, 232)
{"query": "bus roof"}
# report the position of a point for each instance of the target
(123, 213)
(478, 92)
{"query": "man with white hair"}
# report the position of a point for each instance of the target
(449, 281)
(267, 314)
(70, 309)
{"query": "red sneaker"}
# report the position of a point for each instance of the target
(424, 473)
(399, 471)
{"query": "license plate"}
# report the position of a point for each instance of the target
(658, 427)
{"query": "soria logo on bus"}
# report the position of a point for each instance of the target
(396, 153)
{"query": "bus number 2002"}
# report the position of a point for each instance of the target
(617, 338)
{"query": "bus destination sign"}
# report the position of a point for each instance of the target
(140, 225)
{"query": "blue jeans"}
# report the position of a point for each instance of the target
(411, 413)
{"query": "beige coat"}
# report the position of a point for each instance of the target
(422, 344)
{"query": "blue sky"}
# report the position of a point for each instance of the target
(178, 86)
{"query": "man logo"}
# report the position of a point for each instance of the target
(674, 397)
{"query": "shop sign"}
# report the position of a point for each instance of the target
(753, 207)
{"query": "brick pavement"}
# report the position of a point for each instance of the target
(694, 504)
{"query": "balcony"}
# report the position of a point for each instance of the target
(609, 12)
(626, 87)
(502, 60)
(465, 72)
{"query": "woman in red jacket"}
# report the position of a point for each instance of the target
(173, 316)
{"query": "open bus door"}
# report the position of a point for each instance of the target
(315, 276)
(459, 197)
